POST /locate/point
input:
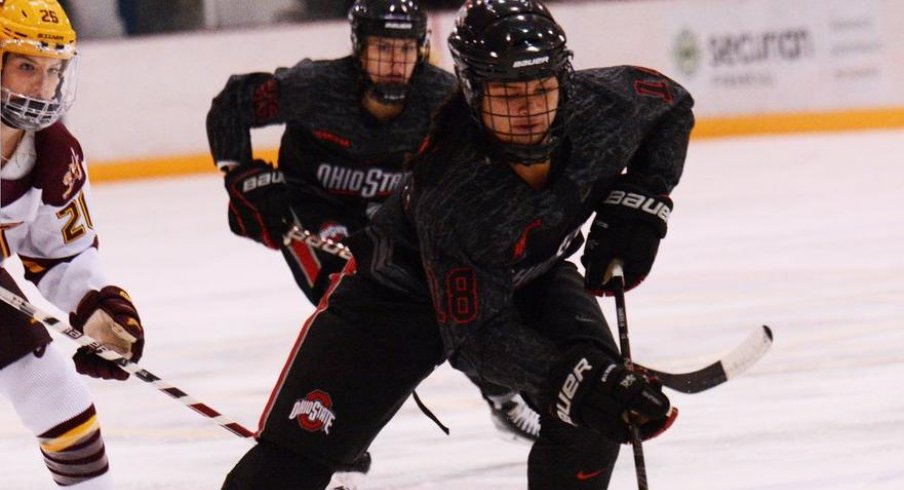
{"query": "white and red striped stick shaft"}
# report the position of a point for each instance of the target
(144, 375)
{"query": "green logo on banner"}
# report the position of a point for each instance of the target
(686, 52)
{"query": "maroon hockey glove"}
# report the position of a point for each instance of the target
(258, 203)
(588, 389)
(628, 226)
(109, 317)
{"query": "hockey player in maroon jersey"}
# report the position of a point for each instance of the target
(45, 220)
(467, 263)
(350, 125)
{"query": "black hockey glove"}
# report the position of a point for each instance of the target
(258, 203)
(628, 226)
(588, 389)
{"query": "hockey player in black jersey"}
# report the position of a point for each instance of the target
(467, 263)
(351, 123)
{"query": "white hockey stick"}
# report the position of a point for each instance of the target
(729, 366)
(53, 323)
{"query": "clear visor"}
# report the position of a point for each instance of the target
(520, 112)
(36, 89)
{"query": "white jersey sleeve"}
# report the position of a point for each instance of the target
(60, 252)
(47, 220)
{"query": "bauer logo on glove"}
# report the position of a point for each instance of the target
(628, 226)
(258, 202)
(651, 205)
(263, 180)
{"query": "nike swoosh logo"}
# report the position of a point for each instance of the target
(586, 476)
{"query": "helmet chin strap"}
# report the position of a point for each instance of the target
(525, 155)
(388, 93)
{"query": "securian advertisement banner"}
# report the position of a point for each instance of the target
(759, 56)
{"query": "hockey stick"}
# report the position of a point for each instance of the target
(728, 367)
(50, 322)
(298, 233)
(731, 365)
(617, 275)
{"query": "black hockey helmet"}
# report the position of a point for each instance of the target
(398, 19)
(508, 41)
(387, 18)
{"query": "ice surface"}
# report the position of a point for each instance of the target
(803, 233)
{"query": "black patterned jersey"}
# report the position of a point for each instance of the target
(332, 148)
(468, 231)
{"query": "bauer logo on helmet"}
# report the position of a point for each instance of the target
(530, 62)
(399, 25)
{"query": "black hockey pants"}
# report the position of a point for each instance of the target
(363, 352)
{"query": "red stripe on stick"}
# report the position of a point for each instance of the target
(200, 407)
(174, 392)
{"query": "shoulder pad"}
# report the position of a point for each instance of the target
(438, 75)
(633, 83)
(313, 69)
(311, 81)
(60, 168)
(434, 84)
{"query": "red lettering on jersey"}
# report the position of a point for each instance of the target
(424, 145)
(460, 302)
(462, 295)
(654, 89)
(521, 244)
(266, 101)
(658, 88)
(332, 138)
(438, 305)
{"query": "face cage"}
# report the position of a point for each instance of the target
(521, 126)
(22, 111)
(389, 85)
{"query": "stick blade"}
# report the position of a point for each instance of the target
(730, 366)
